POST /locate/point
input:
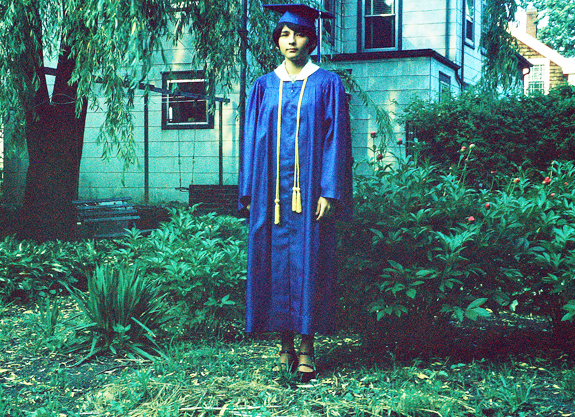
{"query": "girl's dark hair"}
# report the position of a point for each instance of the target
(310, 33)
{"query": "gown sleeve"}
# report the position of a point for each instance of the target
(245, 180)
(336, 174)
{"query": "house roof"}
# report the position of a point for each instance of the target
(382, 55)
(567, 64)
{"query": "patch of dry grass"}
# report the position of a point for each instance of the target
(215, 378)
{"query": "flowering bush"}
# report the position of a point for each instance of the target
(424, 245)
(510, 132)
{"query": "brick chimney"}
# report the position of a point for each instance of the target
(531, 28)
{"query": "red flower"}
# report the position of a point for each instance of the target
(552, 195)
(546, 181)
(487, 205)
(565, 183)
(373, 134)
(471, 219)
(379, 156)
(463, 148)
(516, 180)
(399, 141)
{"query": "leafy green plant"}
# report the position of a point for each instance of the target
(199, 262)
(48, 316)
(124, 310)
(424, 247)
(29, 270)
(510, 131)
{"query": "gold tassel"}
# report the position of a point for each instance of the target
(298, 201)
(294, 199)
(277, 216)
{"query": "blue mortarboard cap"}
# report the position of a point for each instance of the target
(299, 14)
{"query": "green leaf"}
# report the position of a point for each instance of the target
(476, 303)
(459, 313)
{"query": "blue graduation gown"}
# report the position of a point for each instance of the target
(291, 266)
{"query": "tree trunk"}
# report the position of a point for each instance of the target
(54, 137)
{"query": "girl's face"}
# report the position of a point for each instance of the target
(294, 46)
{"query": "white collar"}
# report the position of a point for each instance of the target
(306, 71)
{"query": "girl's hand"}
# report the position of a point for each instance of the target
(324, 208)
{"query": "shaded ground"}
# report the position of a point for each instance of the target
(505, 366)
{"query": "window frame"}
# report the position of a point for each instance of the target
(396, 29)
(469, 24)
(538, 62)
(172, 77)
(444, 85)
(329, 25)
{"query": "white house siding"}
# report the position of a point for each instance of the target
(177, 158)
(392, 84)
(348, 40)
(424, 25)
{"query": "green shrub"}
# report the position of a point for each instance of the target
(199, 262)
(124, 310)
(28, 269)
(424, 245)
(510, 132)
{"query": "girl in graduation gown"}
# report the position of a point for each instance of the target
(294, 182)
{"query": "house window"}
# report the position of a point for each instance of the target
(329, 24)
(469, 19)
(535, 81)
(379, 28)
(444, 85)
(484, 22)
(410, 137)
(186, 107)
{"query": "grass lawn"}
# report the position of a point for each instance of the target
(502, 367)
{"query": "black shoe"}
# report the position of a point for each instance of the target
(306, 376)
(292, 363)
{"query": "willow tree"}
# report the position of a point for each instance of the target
(102, 50)
(98, 47)
(500, 66)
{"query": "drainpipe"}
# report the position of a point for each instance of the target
(243, 75)
(146, 151)
(221, 146)
(459, 75)
(447, 18)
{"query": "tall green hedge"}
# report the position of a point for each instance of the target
(508, 132)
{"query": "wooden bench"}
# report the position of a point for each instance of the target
(105, 217)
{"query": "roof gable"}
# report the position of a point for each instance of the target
(567, 64)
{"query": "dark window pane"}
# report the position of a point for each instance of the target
(184, 109)
(379, 32)
(469, 30)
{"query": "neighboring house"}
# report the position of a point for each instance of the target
(395, 49)
(549, 68)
